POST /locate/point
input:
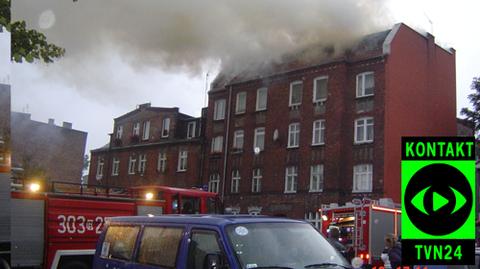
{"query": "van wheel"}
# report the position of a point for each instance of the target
(4, 264)
(75, 265)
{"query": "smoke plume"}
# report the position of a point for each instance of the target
(187, 35)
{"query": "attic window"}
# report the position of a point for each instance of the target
(365, 84)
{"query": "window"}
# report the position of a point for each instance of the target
(100, 165)
(182, 160)
(364, 130)
(219, 110)
(257, 180)
(142, 162)
(136, 129)
(235, 181)
(203, 242)
(316, 178)
(119, 242)
(259, 139)
(160, 246)
(365, 84)
(296, 89)
(293, 135)
(318, 136)
(320, 89)
(162, 162)
(115, 166)
(165, 127)
(146, 130)
(291, 175)
(240, 105)
(238, 139)
(131, 165)
(191, 129)
(261, 99)
(362, 178)
(119, 132)
(214, 183)
(217, 144)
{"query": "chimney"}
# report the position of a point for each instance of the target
(67, 125)
(51, 121)
(146, 105)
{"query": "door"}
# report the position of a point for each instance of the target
(203, 242)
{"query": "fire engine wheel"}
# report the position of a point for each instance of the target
(75, 265)
(4, 264)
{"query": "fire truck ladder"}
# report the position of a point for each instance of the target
(359, 214)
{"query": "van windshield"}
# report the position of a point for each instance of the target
(285, 245)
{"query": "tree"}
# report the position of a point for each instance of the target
(474, 114)
(27, 44)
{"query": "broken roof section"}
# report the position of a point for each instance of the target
(369, 46)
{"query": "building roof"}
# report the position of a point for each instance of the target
(370, 46)
(217, 220)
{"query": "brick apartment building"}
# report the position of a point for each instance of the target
(4, 128)
(150, 145)
(327, 131)
(56, 151)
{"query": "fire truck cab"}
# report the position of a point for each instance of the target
(59, 227)
(363, 225)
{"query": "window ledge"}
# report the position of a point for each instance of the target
(316, 191)
(320, 102)
(290, 192)
(361, 191)
(240, 112)
(181, 171)
(260, 110)
(293, 147)
(364, 96)
(318, 144)
(363, 142)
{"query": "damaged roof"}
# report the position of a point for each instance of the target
(369, 46)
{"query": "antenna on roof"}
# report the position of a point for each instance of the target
(429, 21)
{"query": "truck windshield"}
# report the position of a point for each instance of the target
(285, 245)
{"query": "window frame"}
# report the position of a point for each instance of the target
(182, 160)
(237, 103)
(320, 179)
(115, 166)
(100, 167)
(257, 178)
(219, 103)
(235, 183)
(315, 83)
(136, 129)
(295, 134)
(146, 130)
(292, 186)
(132, 162)
(142, 163)
(321, 132)
(290, 99)
(364, 130)
(214, 149)
(162, 162)
(259, 131)
(165, 127)
(356, 174)
(360, 92)
(237, 134)
(119, 132)
(214, 181)
(257, 104)
(191, 129)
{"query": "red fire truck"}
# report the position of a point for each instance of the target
(58, 228)
(363, 225)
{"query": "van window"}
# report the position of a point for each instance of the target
(160, 246)
(202, 243)
(119, 242)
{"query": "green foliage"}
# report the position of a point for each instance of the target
(27, 44)
(473, 115)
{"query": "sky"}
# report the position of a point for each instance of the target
(123, 53)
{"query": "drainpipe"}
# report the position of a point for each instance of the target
(225, 155)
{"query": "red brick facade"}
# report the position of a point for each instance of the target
(414, 94)
(118, 169)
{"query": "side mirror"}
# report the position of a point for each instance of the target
(212, 261)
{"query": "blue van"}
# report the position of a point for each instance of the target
(213, 241)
